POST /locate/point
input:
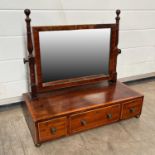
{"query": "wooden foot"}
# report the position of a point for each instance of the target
(38, 145)
(137, 116)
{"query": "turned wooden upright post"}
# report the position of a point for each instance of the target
(30, 58)
(117, 31)
(117, 50)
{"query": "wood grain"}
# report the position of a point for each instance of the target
(132, 108)
(94, 118)
(68, 101)
(53, 85)
(79, 108)
(58, 125)
(37, 84)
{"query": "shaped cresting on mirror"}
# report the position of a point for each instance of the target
(71, 55)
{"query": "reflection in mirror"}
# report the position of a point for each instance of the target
(74, 53)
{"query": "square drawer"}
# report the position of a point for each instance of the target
(52, 129)
(94, 118)
(132, 108)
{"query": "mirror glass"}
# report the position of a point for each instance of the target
(70, 54)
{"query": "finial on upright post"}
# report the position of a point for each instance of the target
(117, 17)
(30, 58)
(27, 12)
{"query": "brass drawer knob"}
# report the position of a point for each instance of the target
(109, 116)
(132, 110)
(83, 122)
(53, 130)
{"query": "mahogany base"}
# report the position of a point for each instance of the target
(65, 112)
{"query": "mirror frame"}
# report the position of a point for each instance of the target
(37, 85)
(72, 81)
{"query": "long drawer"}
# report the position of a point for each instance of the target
(94, 118)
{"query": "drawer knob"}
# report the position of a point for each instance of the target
(109, 116)
(83, 122)
(132, 110)
(53, 130)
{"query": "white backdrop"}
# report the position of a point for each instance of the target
(137, 35)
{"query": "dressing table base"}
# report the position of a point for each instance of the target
(64, 112)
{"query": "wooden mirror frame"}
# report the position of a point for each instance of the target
(37, 86)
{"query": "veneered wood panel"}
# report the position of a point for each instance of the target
(131, 109)
(94, 118)
(64, 112)
(81, 98)
(52, 129)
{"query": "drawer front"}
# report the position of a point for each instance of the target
(94, 118)
(52, 129)
(131, 109)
